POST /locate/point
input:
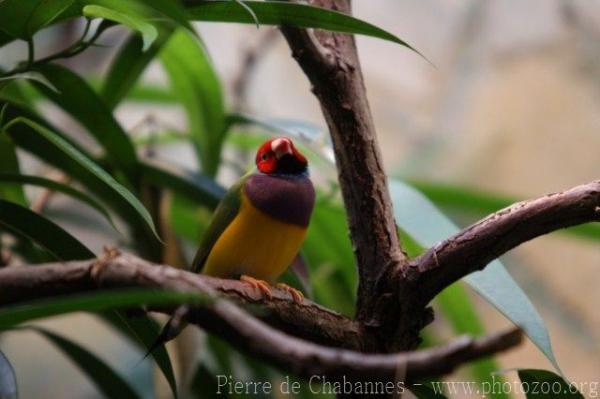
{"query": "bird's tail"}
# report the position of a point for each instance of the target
(171, 330)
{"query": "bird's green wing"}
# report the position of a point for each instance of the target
(226, 211)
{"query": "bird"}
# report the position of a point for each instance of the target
(258, 227)
(261, 222)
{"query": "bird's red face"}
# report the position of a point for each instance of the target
(280, 156)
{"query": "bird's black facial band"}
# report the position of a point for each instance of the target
(289, 164)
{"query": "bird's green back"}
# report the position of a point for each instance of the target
(227, 210)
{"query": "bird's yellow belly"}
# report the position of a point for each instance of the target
(256, 245)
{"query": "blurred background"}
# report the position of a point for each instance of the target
(511, 107)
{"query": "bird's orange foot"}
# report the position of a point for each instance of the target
(298, 296)
(260, 285)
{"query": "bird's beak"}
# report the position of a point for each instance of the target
(281, 147)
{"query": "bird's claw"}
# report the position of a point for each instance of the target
(260, 285)
(297, 296)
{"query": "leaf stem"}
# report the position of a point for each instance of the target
(71, 51)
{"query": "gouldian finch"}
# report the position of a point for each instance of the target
(260, 224)
(258, 227)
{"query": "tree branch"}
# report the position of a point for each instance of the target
(307, 359)
(307, 319)
(242, 330)
(477, 245)
(330, 61)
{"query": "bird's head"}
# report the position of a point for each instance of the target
(279, 156)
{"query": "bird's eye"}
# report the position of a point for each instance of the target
(264, 156)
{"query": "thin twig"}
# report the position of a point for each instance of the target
(71, 51)
(41, 201)
(250, 57)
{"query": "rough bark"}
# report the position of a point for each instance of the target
(307, 319)
(245, 331)
(477, 245)
(330, 61)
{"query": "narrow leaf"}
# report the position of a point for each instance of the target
(45, 13)
(426, 391)
(145, 330)
(34, 76)
(147, 30)
(78, 99)
(459, 310)
(14, 110)
(172, 9)
(287, 13)
(107, 380)
(194, 80)
(196, 187)
(56, 186)
(48, 146)
(127, 67)
(10, 164)
(43, 232)
(11, 316)
(22, 18)
(542, 384)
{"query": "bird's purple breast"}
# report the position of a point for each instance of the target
(287, 199)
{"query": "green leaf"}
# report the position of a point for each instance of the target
(540, 384)
(147, 30)
(480, 202)
(15, 14)
(195, 82)
(205, 383)
(196, 187)
(427, 225)
(43, 232)
(48, 146)
(155, 10)
(425, 391)
(183, 210)
(172, 9)
(78, 99)
(285, 13)
(128, 66)
(249, 10)
(5, 37)
(144, 330)
(107, 380)
(34, 76)
(22, 18)
(56, 186)
(45, 13)
(149, 93)
(458, 309)
(8, 380)
(11, 316)
(328, 252)
(9, 163)
(14, 110)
